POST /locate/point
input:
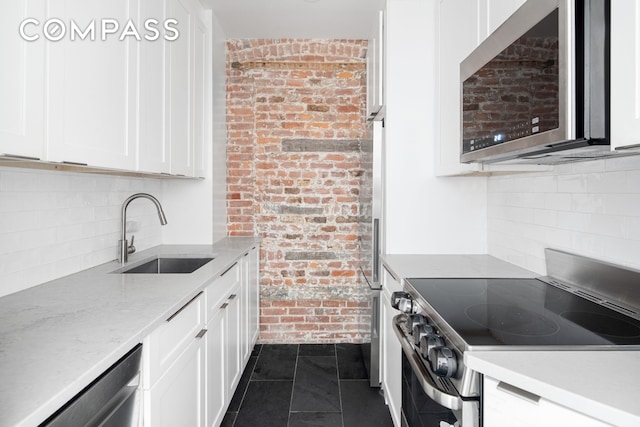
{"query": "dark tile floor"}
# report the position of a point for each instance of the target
(306, 385)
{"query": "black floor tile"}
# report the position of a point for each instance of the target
(363, 405)
(317, 350)
(256, 350)
(276, 362)
(242, 385)
(350, 362)
(266, 404)
(315, 419)
(307, 385)
(229, 419)
(316, 385)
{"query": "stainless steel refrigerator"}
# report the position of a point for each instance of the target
(371, 236)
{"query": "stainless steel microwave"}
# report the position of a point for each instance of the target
(537, 89)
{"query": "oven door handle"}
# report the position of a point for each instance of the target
(450, 401)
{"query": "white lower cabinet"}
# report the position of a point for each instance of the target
(173, 369)
(506, 405)
(391, 351)
(193, 363)
(234, 340)
(216, 369)
(177, 399)
(250, 302)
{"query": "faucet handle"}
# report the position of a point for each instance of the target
(131, 249)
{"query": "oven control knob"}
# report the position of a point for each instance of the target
(430, 342)
(416, 320)
(396, 297)
(443, 361)
(422, 330)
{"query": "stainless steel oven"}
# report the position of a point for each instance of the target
(429, 398)
(583, 304)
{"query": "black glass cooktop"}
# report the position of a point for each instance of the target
(524, 312)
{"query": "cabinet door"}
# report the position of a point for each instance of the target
(153, 140)
(217, 393)
(92, 101)
(505, 405)
(21, 80)
(375, 67)
(391, 350)
(201, 95)
(453, 46)
(254, 296)
(625, 72)
(492, 13)
(234, 339)
(180, 88)
(164, 345)
(177, 399)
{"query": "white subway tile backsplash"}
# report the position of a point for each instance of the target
(558, 201)
(587, 203)
(608, 182)
(572, 184)
(56, 223)
(594, 210)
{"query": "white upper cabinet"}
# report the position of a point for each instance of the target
(625, 75)
(478, 19)
(492, 13)
(153, 143)
(180, 81)
(454, 44)
(201, 126)
(92, 99)
(120, 84)
(21, 81)
(375, 67)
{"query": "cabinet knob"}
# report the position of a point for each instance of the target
(201, 333)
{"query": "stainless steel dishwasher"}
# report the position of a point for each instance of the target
(109, 401)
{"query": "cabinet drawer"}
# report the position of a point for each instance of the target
(165, 344)
(389, 283)
(218, 291)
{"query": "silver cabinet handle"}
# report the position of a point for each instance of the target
(201, 333)
(184, 306)
(518, 392)
(228, 269)
(232, 296)
(225, 305)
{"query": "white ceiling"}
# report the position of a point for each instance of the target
(315, 19)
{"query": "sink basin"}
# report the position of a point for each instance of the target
(168, 266)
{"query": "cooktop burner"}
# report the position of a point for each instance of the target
(523, 312)
(511, 320)
(603, 324)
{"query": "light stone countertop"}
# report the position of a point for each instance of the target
(602, 384)
(57, 337)
(440, 266)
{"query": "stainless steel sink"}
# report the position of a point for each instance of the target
(167, 266)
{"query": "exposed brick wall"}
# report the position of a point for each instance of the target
(295, 113)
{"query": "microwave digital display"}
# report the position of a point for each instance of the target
(516, 94)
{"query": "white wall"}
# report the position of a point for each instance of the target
(56, 223)
(590, 208)
(424, 214)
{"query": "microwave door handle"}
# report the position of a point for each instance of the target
(450, 401)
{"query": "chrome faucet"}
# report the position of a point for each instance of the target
(123, 246)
